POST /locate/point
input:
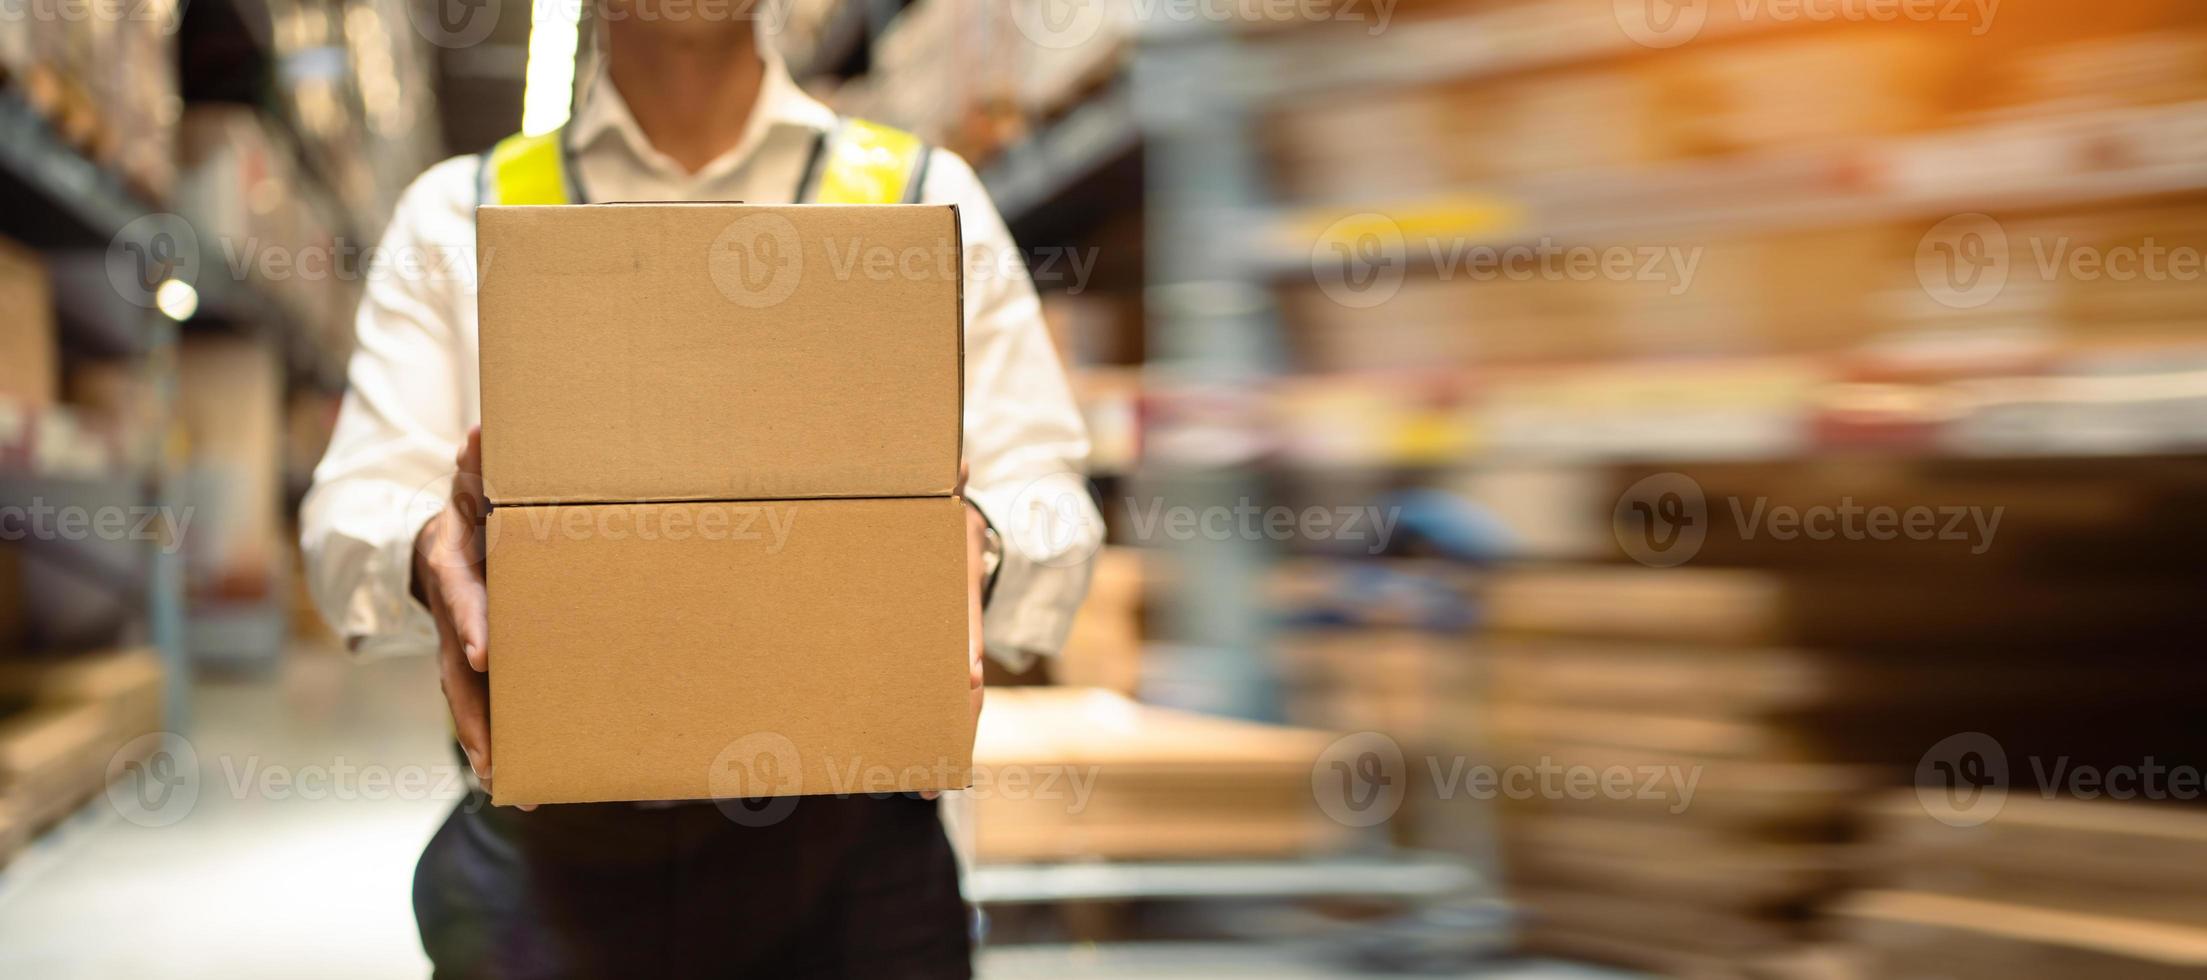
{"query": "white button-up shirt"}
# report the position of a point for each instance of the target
(413, 386)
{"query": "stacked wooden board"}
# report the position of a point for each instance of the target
(2040, 887)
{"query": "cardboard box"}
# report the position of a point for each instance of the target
(13, 835)
(50, 760)
(1104, 647)
(230, 401)
(2134, 859)
(726, 560)
(1067, 773)
(125, 684)
(31, 371)
(638, 645)
(720, 352)
(1913, 934)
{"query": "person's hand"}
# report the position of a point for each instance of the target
(977, 579)
(448, 577)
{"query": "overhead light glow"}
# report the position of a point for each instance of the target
(550, 87)
(176, 299)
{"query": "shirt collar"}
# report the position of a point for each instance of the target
(604, 114)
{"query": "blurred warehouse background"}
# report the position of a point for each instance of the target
(1707, 488)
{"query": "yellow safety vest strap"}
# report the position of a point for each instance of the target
(526, 170)
(868, 163)
(859, 163)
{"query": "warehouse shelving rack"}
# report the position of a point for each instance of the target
(2000, 165)
(84, 220)
(1209, 327)
(59, 201)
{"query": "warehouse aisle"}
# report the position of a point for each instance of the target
(317, 789)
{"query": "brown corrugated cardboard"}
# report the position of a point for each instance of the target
(31, 370)
(50, 760)
(712, 650)
(1068, 772)
(719, 352)
(125, 684)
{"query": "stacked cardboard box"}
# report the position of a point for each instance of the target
(13, 835)
(1810, 90)
(125, 685)
(1776, 695)
(105, 77)
(262, 218)
(2042, 887)
(1104, 648)
(1726, 834)
(31, 372)
(51, 759)
(230, 406)
(723, 445)
(1071, 773)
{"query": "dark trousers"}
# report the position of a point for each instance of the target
(840, 887)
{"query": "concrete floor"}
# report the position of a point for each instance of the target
(262, 878)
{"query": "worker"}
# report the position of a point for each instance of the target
(697, 107)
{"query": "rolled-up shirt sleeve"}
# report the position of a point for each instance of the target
(1025, 444)
(389, 464)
